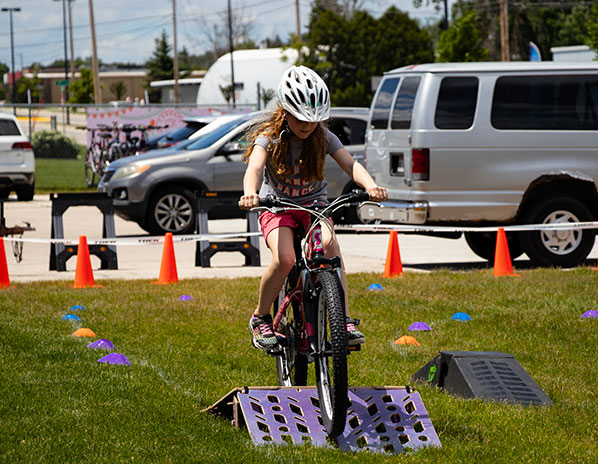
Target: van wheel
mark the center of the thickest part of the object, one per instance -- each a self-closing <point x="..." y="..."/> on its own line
<point x="564" y="248"/>
<point x="483" y="244"/>
<point x="172" y="210"/>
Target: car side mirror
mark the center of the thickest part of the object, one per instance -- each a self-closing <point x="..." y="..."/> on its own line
<point x="230" y="148"/>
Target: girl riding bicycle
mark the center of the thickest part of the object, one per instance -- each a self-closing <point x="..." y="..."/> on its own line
<point x="289" y="151"/>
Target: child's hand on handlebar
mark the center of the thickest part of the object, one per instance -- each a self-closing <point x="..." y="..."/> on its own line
<point x="377" y="194"/>
<point x="249" y="201"/>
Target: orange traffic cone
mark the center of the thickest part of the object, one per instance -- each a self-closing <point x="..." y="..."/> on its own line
<point x="502" y="257"/>
<point x="168" y="273"/>
<point x="4" y="280"/>
<point x="393" y="266"/>
<point x="83" y="273"/>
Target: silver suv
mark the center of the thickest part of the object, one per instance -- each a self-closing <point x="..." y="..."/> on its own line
<point x="17" y="162"/>
<point x="462" y="144"/>
<point x="159" y="189"/>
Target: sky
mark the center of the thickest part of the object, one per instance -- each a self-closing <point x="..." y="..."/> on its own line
<point x="126" y="29"/>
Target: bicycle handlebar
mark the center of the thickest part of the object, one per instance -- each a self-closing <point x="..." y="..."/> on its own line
<point x="356" y="196"/>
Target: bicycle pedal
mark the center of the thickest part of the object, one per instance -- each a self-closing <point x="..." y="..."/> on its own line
<point x="354" y="348"/>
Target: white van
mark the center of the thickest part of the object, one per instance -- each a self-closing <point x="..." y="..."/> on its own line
<point x="465" y="144"/>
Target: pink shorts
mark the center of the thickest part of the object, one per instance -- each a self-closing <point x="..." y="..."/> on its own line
<point x="292" y="219"/>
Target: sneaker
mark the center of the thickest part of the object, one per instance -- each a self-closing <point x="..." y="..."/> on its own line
<point x="354" y="336"/>
<point x="263" y="336"/>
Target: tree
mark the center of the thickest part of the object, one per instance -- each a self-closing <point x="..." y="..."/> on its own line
<point x="592" y="28"/>
<point x="118" y="88"/>
<point x="160" y="65"/>
<point x="347" y="53"/>
<point x="461" y="41"/>
<point x="81" y="90"/>
<point x="217" y="32"/>
<point x="32" y="85"/>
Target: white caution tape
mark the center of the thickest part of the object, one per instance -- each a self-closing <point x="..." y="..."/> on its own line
<point x="519" y="228"/>
<point x="157" y="240"/>
<point x="132" y="241"/>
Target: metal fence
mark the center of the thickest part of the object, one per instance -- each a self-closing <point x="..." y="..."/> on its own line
<point x="60" y="137"/>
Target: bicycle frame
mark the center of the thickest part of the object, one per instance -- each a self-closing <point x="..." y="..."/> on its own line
<point x="307" y="265"/>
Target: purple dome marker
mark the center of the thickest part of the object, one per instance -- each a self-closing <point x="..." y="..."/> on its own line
<point x="590" y="313"/>
<point x="185" y="298"/>
<point x="115" y="358"/>
<point x="419" y="326"/>
<point x="101" y="344"/>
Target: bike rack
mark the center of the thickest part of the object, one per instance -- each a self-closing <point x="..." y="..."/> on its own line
<point x="205" y="249"/>
<point x="386" y="420"/>
<point x="59" y="253"/>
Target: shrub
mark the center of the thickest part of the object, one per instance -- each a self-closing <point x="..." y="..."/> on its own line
<point x="53" y="144"/>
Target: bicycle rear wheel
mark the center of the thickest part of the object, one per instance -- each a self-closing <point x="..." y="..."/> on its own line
<point x="331" y="359"/>
<point x="291" y="365"/>
<point x="90" y="172"/>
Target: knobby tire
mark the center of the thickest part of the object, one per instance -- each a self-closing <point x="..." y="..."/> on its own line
<point x="332" y="347"/>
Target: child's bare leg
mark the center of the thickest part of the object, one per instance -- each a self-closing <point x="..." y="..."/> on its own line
<point x="280" y="242"/>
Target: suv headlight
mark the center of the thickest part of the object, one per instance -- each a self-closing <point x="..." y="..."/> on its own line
<point x="127" y="171"/>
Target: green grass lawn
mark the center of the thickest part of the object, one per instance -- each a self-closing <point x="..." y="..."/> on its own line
<point x="60" y="175"/>
<point x="57" y="404"/>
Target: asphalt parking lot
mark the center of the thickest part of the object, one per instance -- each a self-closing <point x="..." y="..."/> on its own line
<point x="364" y="252"/>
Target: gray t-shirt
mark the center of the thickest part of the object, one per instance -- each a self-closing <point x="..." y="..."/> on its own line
<point x="300" y="190"/>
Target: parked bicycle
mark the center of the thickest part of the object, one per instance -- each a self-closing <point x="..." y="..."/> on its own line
<point x="133" y="145"/>
<point x="99" y="152"/>
<point x="106" y="146"/>
<point x="309" y="313"/>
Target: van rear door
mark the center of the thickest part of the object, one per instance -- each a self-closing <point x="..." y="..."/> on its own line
<point x="404" y="164"/>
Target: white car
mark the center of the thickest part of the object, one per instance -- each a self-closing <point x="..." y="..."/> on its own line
<point x="17" y="162"/>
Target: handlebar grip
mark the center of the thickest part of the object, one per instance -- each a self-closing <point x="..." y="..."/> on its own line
<point x="268" y="201"/>
<point x="361" y="195"/>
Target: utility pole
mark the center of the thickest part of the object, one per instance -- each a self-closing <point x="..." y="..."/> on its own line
<point x="505" y="53"/>
<point x="445" y="21"/>
<point x="12" y="57"/>
<point x="231" y="49"/>
<point x="176" y="55"/>
<point x="297" y="20"/>
<point x="71" y="39"/>
<point x="65" y="91"/>
<point x="97" y="91"/>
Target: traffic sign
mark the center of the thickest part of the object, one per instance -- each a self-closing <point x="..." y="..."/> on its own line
<point x="62" y="82"/>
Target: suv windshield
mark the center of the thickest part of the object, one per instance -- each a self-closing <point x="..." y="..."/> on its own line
<point x="212" y="137"/>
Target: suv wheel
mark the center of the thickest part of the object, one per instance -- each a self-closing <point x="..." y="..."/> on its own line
<point x="26" y="193"/>
<point x="172" y="210"/>
<point x="483" y="244"/>
<point x="565" y="248"/>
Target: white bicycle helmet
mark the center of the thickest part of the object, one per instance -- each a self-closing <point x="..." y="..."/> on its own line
<point x="304" y="94"/>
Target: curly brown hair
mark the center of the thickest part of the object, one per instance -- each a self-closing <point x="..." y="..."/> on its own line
<point x="313" y="152"/>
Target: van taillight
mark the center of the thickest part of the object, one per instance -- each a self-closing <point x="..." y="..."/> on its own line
<point x="22" y="146"/>
<point x="420" y="164"/>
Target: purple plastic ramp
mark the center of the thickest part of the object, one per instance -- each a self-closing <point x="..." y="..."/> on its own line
<point x="380" y="419"/>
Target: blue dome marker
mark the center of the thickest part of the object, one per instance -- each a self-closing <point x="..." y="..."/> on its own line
<point x="376" y="287"/>
<point x="78" y="307"/>
<point x="461" y="317"/>
<point x="71" y="317"/>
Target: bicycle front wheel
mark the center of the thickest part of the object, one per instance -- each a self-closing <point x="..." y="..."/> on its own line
<point x="291" y="365"/>
<point x="331" y="356"/>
